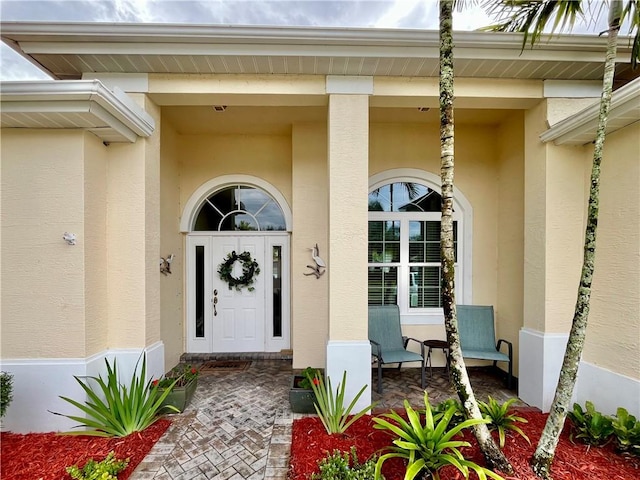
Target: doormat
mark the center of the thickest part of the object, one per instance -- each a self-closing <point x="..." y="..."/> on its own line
<point x="224" y="366"/>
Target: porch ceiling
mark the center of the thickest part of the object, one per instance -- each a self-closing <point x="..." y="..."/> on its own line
<point x="69" y="50"/>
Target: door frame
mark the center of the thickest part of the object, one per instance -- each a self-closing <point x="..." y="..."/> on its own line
<point x="204" y="344"/>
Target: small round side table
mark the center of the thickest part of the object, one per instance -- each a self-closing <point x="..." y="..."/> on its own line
<point x="440" y="344"/>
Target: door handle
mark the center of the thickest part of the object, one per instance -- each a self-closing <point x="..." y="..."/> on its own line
<point x="215" y="301"/>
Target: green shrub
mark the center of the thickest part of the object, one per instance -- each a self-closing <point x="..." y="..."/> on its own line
<point x="308" y="375"/>
<point x="459" y="414"/>
<point x="123" y="410"/>
<point x="330" y="406"/>
<point x="6" y="392"/>
<point x="338" y="466"/>
<point x="626" y="430"/>
<point x="429" y="447"/>
<point x="107" y="469"/>
<point x="589" y="425"/>
<point x="501" y="418"/>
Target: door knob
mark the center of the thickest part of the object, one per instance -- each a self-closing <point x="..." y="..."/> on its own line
<point x="215" y="301"/>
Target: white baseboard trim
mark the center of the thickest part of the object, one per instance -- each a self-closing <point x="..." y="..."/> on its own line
<point x="607" y="390"/>
<point x="541" y="357"/>
<point x="39" y="382"/>
<point x="354" y="357"/>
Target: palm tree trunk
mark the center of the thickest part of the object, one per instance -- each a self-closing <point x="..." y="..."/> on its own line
<point x="493" y="455"/>
<point x="545" y="451"/>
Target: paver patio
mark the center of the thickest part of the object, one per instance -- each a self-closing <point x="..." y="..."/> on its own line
<point x="238" y="425"/>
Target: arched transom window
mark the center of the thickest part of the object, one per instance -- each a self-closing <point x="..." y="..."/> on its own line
<point x="404" y="247"/>
<point x="240" y="208"/>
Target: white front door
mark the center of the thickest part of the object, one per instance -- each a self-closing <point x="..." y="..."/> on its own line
<point x="238" y="316"/>
<point x="220" y="319"/>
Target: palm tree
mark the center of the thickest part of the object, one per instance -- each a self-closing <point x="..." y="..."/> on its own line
<point x="493" y="455"/>
<point x="532" y="17"/>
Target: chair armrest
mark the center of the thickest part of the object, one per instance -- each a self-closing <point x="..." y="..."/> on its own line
<point x="406" y="342"/>
<point x="509" y="344"/>
<point x="377" y="348"/>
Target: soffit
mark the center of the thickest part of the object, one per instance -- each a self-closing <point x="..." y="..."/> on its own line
<point x="67" y="50"/>
<point x="81" y="104"/>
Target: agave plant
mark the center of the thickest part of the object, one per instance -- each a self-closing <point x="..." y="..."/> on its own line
<point x="431" y="446"/>
<point x="330" y="406"/>
<point x="123" y="410"/>
<point x="502" y="418"/>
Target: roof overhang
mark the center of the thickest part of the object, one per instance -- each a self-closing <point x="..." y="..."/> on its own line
<point x="83" y="104"/>
<point x="580" y="129"/>
<point x="69" y="50"/>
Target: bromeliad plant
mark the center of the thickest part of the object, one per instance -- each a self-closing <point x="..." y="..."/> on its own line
<point x="116" y="410"/>
<point x="589" y="425"/>
<point x="626" y="430"/>
<point x="501" y="418"/>
<point x="330" y="405"/>
<point x="428" y="447"/>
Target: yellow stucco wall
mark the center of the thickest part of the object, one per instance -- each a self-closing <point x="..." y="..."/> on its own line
<point x="171" y="242"/>
<point x="95" y="244"/>
<point x="510" y="276"/>
<point x="613" y="334"/>
<point x="309" y="297"/>
<point x="43" y="304"/>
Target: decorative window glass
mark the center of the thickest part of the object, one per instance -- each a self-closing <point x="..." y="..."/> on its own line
<point x="404" y="247"/>
<point x="240" y="208"/>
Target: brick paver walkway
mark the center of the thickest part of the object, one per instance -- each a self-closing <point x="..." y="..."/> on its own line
<point x="238" y="425"/>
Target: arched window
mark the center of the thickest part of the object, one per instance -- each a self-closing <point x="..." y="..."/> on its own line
<point x="240" y="208"/>
<point x="404" y="246"/>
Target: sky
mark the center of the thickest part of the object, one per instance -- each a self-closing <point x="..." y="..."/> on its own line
<point x="414" y="14"/>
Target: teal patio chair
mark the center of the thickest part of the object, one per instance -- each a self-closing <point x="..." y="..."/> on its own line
<point x="478" y="337"/>
<point x="387" y="343"/>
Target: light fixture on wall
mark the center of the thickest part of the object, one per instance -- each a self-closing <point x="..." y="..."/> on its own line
<point x="70" y="238"/>
<point x="165" y="264"/>
<point x="219" y="108"/>
<point x="423" y="109"/>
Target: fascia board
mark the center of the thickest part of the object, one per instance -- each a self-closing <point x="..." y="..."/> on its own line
<point x="239" y="49"/>
<point x="624" y="100"/>
<point x="52" y="96"/>
<point x="77" y="34"/>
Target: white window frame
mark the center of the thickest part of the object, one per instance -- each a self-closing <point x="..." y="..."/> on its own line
<point x="463" y="215"/>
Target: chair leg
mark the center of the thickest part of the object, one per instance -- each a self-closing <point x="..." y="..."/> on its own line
<point x="422" y="374"/>
<point x="379" y="377"/>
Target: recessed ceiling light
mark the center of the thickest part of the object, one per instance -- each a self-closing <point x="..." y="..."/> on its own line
<point x="423" y="109"/>
<point x="219" y="108"/>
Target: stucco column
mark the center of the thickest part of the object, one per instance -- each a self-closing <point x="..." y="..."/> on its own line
<point x="348" y="347"/>
<point x="133" y="243"/>
<point x="555" y="183"/>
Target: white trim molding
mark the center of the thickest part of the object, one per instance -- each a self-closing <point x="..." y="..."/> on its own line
<point x="607" y="390"/>
<point x="580" y="129"/>
<point x="540" y="363"/>
<point x="349" y="85"/>
<point x="111" y="115"/>
<point x="192" y="207"/>
<point x="39" y="382"/>
<point x="354" y="357"/>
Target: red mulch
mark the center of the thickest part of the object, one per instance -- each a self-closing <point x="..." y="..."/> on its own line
<point x="44" y="456"/>
<point x="310" y="443"/>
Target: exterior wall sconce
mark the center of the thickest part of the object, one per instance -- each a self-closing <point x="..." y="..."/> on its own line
<point x="320" y="266"/>
<point x="70" y="238"/>
<point x="165" y="264"/>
